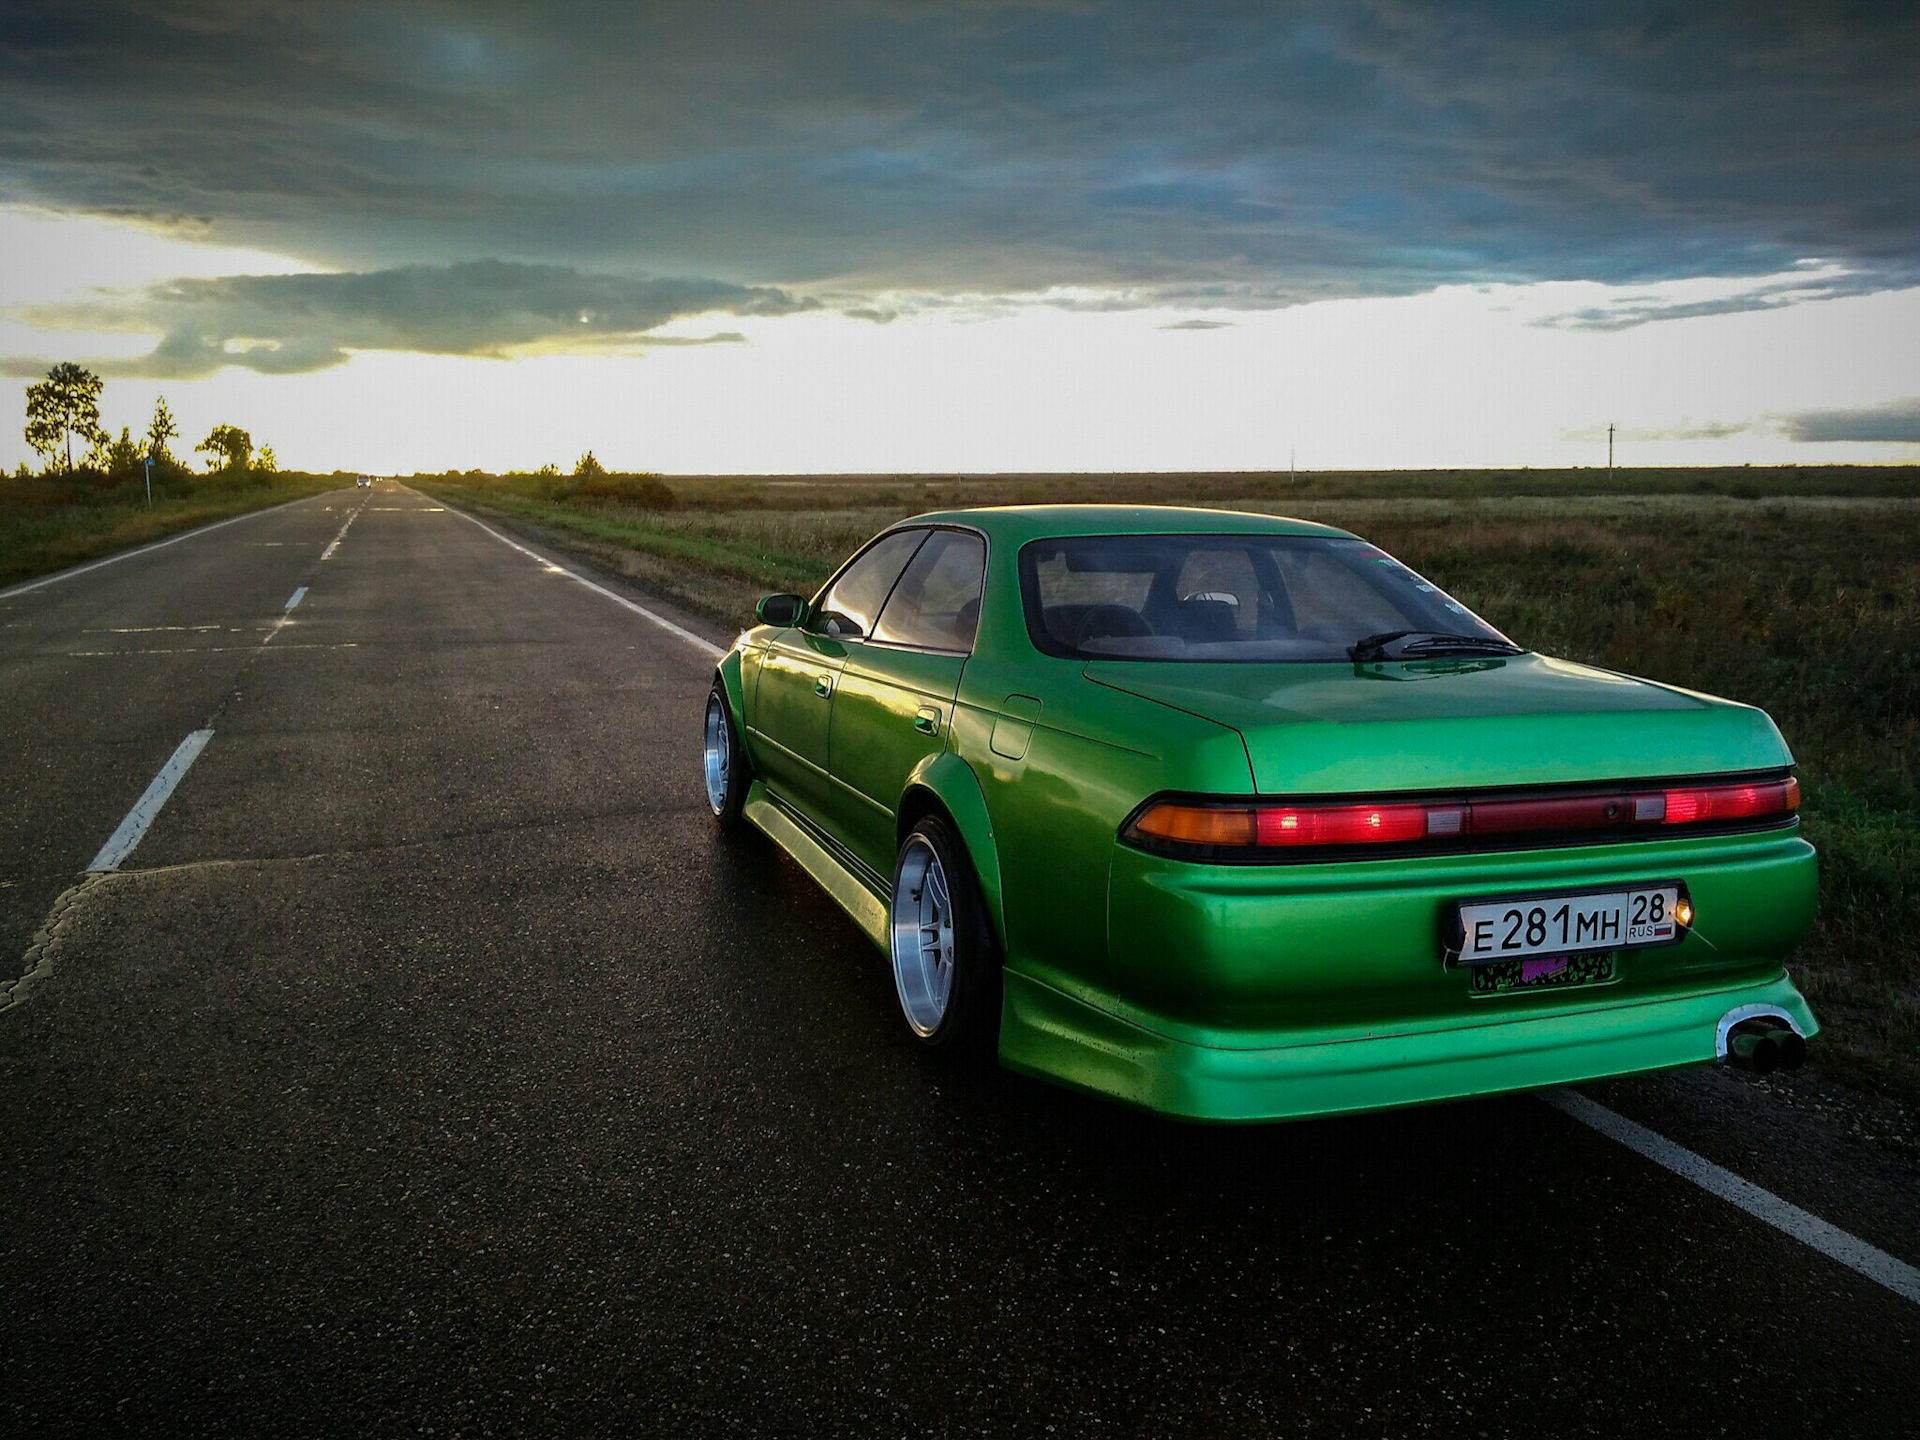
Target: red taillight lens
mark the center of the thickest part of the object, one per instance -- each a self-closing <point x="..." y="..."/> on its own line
<point x="1282" y="826"/>
<point x="1341" y="824"/>
<point x="1705" y="803"/>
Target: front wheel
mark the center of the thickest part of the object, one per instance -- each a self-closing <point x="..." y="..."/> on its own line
<point x="723" y="762"/>
<point x="946" y="967"/>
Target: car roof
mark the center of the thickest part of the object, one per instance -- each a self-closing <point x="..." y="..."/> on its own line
<point x="1017" y="524"/>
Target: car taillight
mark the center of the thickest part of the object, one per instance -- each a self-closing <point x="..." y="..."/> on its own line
<point x="1201" y="826"/>
<point x="1340" y="824"/>
<point x="1755" y="801"/>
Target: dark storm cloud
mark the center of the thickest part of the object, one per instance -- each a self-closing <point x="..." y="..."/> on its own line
<point x="1894" y="424"/>
<point x="1229" y="153"/>
<point x="291" y="324"/>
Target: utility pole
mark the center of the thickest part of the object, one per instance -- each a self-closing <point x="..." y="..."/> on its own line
<point x="1293" y="473"/>
<point x="1609" y="450"/>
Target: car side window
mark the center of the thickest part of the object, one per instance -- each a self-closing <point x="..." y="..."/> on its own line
<point x="848" y="609"/>
<point x="936" y="605"/>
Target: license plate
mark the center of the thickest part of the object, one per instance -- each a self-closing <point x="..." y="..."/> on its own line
<point x="1549" y="972"/>
<point x="1487" y="932"/>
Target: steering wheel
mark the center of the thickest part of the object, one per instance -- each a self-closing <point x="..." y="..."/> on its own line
<point x="1124" y="623"/>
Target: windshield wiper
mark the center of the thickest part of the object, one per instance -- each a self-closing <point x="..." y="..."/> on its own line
<point x="1374" y="647"/>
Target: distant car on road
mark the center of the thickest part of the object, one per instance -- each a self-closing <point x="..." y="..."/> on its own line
<point x="1238" y="818"/>
<point x="365" y="481"/>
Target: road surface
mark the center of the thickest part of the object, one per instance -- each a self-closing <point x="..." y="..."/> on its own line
<point x="431" y="1065"/>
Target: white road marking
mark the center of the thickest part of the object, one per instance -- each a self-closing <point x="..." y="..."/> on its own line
<point x="327" y="554"/>
<point x="120" y="844"/>
<point x="1831" y="1241"/>
<point x="213" y="649"/>
<point x="700" y="643"/>
<point x="298" y="596"/>
<point x="56" y="578"/>
<point x="144" y="629"/>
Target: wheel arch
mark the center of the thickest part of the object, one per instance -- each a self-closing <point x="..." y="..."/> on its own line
<point x="945" y="785"/>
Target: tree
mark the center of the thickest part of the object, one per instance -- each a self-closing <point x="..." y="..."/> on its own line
<point x="232" y="446"/>
<point x="61" y="407"/>
<point x="587" y="468"/>
<point x="123" y="457"/>
<point x="266" y="462"/>
<point x="160" y="430"/>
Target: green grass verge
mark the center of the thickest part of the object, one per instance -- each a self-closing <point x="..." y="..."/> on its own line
<point x="47" y="526"/>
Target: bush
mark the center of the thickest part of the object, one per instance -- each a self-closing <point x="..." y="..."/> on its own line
<point x="642" y="492"/>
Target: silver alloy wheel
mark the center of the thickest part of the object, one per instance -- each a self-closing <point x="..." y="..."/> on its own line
<point x="719" y="755"/>
<point x="922" y="937"/>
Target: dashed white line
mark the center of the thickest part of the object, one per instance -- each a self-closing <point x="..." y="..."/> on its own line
<point x="1830" y="1240"/>
<point x="327" y="554"/>
<point x="56" y="578"/>
<point x="120" y="844"/>
<point x="700" y="643"/>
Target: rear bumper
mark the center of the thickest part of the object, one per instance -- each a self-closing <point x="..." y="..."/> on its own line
<point x="1049" y="1034"/>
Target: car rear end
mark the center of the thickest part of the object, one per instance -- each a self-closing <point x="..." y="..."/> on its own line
<point x="1440" y="873"/>
<point x="1311" y="978"/>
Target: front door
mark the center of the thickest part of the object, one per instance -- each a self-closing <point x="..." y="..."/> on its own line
<point x="896" y="692"/>
<point x="793" y="702"/>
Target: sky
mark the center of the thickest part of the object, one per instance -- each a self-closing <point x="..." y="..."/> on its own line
<point x="959" y="235"/>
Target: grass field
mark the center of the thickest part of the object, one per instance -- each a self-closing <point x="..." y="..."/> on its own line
<point x="48" y="523"/>
<point x="1794" y="589"/>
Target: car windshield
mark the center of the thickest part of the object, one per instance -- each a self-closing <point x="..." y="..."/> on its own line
<point x="1239" y="597"/>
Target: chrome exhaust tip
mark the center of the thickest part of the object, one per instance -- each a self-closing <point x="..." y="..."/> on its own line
<point x="1760" y="1038"/>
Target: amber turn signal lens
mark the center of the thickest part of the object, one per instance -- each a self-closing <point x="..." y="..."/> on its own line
<point x="1197" y="824"/>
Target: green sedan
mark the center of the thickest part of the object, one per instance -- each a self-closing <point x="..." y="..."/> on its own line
<point x="1238" y="818"/>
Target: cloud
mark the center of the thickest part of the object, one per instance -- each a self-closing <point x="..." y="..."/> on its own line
<point x="1197" y="325"/>
<point x="1627" y="311"/>
<point x="1270" y="153"/>
<point x="1685" y="430"/>
<point x="1896" y="423"/>
<point x="293" y="324"/>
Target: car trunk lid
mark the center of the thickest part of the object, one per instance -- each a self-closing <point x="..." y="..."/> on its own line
<point x="1339" y="728"/>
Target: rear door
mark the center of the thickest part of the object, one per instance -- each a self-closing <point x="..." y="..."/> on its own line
<point x="793" y="702"/>
<point x="897" y="689"/>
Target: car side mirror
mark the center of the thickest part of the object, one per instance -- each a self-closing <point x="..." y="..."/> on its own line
<point x="779" y="609"/>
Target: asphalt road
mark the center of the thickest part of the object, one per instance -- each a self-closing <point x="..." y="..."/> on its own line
<point x="434" y="1067"/>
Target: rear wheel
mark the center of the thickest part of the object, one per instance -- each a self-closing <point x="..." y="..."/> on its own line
<point x="946" y="967"/>
<point x="724" y="764"/>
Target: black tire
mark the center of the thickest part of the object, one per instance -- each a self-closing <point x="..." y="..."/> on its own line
<point x="969" y="1021"/>
<point x="729" y="797"/>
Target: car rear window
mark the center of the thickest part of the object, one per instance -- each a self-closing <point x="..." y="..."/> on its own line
<point x="1235" y="597"/>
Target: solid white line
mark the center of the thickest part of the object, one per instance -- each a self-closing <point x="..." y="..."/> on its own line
<point x="53" y="579"/>
<point x="120" y="844"/>
<point x="1831" y="1241"/>
<point x="298" y="596"/>
<point x="700" y="643"/>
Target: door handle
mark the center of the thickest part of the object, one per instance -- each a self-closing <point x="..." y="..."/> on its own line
<point x="927" y="722"/>
<point x="823" y="685"/>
